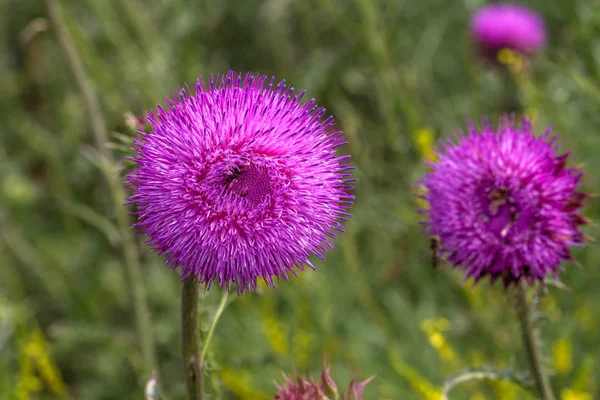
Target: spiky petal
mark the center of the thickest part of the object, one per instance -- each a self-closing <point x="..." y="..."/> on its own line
<point x="240" y="181"/>
<point x="355" y="389"/>
<point x="504" y="204"/>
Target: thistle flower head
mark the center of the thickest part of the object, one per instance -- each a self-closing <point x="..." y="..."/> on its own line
<point x="239" y="181"/>
<point x="302" y="389"/>
<point x="504" y="204"/>
<point x="508" y="26"/>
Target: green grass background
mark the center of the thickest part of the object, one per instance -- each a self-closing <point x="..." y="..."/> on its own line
<point x="386" y="70"/>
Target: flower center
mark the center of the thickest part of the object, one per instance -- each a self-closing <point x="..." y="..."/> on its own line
<point x="503" y="215"/>
<point x="251" y="182"/>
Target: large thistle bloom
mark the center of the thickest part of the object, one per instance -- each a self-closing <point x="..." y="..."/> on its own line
<point x="508" y="26"/>
<point x="240" y="180"/>
<point x="504" y="204"/>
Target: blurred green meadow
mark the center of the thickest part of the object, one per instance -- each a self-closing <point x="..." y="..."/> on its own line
<point x="397" y="75"/>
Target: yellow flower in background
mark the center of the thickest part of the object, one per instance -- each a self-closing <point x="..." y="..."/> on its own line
<point x="35" y="350"/>
<point x="562" y="351"/>
<point x="27" y="382"/>
<point x="570" y="394"/>
<point x="38" y="349"/>
<point x="424" y="140"/>
<point x="434" y="328"/>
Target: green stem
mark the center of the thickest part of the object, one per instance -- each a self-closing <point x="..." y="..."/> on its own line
<point x="190" y="340"/>
<point x="213" y="325"/>
<point x="531" y="342"/>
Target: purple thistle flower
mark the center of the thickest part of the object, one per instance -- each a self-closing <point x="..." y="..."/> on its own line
<point x="239" y="181"/>
<point x="511" y="26"/>
<point x="503" y="204"/>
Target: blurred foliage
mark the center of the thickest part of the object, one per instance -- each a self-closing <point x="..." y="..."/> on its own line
<point x="397" y="75"/>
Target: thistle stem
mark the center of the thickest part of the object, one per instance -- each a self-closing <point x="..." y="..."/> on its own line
<point x="531" y="342"/>
<point x="190" y="340"/>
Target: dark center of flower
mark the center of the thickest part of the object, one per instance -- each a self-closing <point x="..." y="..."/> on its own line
<point x="502" y="214"/>
<point x="251" y="182"/>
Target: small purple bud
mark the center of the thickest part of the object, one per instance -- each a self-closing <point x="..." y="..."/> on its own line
<point x="507" y="26"/>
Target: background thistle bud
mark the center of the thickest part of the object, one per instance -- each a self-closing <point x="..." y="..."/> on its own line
<point x="303" y="389"/>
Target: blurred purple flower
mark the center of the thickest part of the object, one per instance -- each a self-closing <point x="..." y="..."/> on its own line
<point x="239" y="181"/>
<point x="302" y="389"/>
<point x="503" y="204"/>
<point x="504" y="25"/>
